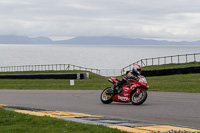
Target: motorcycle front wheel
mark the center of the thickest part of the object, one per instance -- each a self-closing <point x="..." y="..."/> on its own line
<point x="140" y="98"/>
<point x="107" y="95"/>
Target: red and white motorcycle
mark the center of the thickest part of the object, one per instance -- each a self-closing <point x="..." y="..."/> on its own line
<point x="133" y="91"/>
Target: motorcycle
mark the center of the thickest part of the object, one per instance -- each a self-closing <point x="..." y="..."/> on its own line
<point x="132" y="91"/>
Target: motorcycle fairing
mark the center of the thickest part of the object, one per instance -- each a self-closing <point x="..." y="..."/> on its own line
<point x="125" y="96"/>
<point x="128" y="88"/>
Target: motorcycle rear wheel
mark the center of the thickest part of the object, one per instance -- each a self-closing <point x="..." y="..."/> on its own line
<point x="106" y="98"/>
<point x="138" y="99"/>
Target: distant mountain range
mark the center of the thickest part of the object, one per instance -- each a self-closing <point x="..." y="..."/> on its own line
<point x="108" y="40"/>
<point x="24" y="40"/>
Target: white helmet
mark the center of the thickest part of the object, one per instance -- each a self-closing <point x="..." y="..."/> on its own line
<point x="136" y="69"/>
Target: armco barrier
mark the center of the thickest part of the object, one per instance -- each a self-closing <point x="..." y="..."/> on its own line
<point x="164" y="72"/>
<point x="46" y="76"/>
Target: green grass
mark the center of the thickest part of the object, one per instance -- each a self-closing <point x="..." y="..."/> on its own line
<point x="53" y="84"/>
<point x="12" y="122"/>
<point x="95" y="82"/>
<point x="172" y="83"/>
<point x="58" y="84"/>
<point x="171" y="66"/>
<point x="175" y="83"/>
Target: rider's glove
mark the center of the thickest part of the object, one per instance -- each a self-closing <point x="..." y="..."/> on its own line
<point x="136" y="78"/>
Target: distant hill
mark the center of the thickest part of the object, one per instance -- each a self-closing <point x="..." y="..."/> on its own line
<point x="111" y="40"/>
<point x="11" y="39"/>
<point x="104" y="40"/>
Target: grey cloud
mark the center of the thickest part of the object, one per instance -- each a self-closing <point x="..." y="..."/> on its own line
<point x="170" y="20"/>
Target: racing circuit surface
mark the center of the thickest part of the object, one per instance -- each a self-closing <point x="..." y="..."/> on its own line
<point x="164" y="108"/>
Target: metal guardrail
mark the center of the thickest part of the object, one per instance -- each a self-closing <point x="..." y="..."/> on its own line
<point x="185" y="58"/>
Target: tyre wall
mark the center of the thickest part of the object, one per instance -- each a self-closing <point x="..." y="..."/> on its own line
<point x="46" y="76"/>
<point x="164" y="72"/>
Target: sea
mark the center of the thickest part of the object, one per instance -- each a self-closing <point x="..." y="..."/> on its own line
<point x="91" y="56"/>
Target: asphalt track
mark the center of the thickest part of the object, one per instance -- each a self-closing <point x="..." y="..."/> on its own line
<point x="164" y="108"/>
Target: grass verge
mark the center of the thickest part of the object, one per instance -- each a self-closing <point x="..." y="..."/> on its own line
<point x="175" y="83"/>
<point x="95" y="82"/>
<point x="172" y="83"/>
<point x="12" y="122"/>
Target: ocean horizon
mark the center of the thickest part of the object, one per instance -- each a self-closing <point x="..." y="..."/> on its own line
<point x="92" y="56"/>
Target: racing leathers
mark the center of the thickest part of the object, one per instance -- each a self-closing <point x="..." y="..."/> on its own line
<point x="129" y="75"/>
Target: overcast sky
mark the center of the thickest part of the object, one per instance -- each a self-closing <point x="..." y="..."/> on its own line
<point x="177" y="20"/>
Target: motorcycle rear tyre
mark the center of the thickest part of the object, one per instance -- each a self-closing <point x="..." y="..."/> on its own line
<point x="142" y="100"/>
<point x="106" y="99"/>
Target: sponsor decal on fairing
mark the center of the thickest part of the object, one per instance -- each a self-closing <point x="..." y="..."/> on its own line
<point x="123" y="98"/>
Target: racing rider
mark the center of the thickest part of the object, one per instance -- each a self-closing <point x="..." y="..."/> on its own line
<point x="136" y="71"/>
